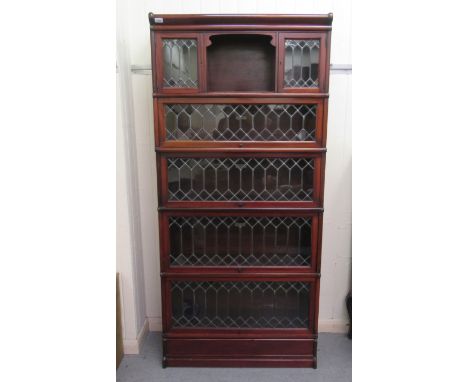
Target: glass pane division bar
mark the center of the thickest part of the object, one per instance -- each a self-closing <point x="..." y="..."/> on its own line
<point x="240" y="304"/>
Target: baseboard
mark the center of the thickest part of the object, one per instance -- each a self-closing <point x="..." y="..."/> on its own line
<point x="333" y="326"/>
<point x="134" y="346"/>
<point x="155" y="324"/>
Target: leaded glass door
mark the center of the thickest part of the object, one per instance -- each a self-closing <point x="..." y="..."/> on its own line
<point x="229" y="240"/>
<point x="241" y="180"/>
<point x="302" y="63"/>
<point x="232" y="122"/>
<point x="226" y="304"/>
<point x="179" y="69"/>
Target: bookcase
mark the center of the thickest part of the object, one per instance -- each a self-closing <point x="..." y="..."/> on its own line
<point x="240" y="119"/>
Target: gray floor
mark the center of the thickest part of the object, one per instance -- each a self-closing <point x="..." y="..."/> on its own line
<point x="334" y="365"/>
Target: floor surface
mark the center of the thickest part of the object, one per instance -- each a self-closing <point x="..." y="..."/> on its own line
<point x="334" y="365"/>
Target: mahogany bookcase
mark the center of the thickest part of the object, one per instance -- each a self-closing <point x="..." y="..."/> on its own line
<point x="240" y="121"/>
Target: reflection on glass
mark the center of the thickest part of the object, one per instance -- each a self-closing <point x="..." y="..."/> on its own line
<point x="180" y="63"/>
<point x="215" y="122"/>
<point x="301" y="62"/>
<point x="239" y="241"/>
<point x="240" y="304"/>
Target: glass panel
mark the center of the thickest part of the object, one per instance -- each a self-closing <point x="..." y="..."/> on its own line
<point x="180" y="63"/>
<point x="239" y="241"/>
<point x="301" y="62"/>
<point x="233" y="179"/>
<point x="240" y="122"/>
<point x="240" y="304"/>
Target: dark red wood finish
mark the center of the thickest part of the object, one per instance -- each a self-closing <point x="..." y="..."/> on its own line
<point x="166" y="267"/>
<point x="246" y="361"/>
<point x="323" y="59"/>
<point x="241" y="62"/>
<point x="241" y="352"/>
<point x="231" y="347"/>
<point x="278" y="22"/>
<point x="316" y="200"/>
<point x="160" y="66"/>
<point x="160" y="124"/>
<point x="310" y="332"/>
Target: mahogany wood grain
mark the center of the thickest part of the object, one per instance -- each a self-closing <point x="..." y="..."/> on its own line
<point x="241" y="362"/>
<point x="312" y="279"/>
<point x="240" y="62"/>
<point x="317" y="197"/>
<point x="252" y="347"/>
<point x="322" y="67"/>
<point x="276" y="20"/>
<point x="239" y="27"/>
<point x="244" y="333"/>
<point x="252" y="95"/>
<point x="160" y="122"/>
<point x="244" y="149"/>
<point x="223" y="35"/>
<point x="265" y="275"/>
<point x="165" y="250"/>
<point x="258" y="211"/>
<point x="159" y="72"/>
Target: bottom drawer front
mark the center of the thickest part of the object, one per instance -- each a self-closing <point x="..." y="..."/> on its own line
<point x="242" y="362"/>
<point x="240" y="304"/>
<point x="240" y="347"/>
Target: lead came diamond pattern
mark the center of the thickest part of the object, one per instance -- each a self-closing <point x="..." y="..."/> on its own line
<point x="221" y="122"/>
<point x="240" y="304"/>
<point x="301" y="58"/>
<point x="239" y="241"/>
<point x="235" y="179"/>
<point x="180" y="63"/>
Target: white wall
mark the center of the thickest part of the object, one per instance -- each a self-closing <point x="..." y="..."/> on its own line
<point x="130" y="263"/>
<point x="130" y="269"/>
<point x="336" y="254"/>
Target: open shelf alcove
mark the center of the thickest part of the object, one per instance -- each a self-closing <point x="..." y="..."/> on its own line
<point x="241" y="62"/>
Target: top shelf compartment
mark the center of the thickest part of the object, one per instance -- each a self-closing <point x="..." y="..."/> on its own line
<point x="240" y="62"/>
